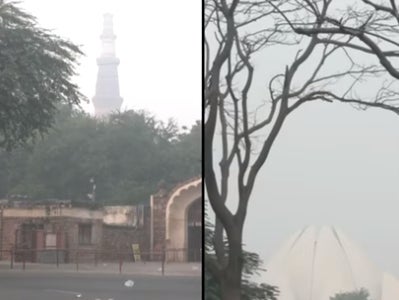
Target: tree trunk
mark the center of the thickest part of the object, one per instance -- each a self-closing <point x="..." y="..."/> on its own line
<point x="231" y="279"/>
<point x="230" y="291"/>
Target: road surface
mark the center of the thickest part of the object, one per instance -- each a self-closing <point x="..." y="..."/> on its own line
<point x="18" y="285"/>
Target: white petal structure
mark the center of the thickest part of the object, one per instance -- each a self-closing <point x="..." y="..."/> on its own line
<point x="315" y="264"/>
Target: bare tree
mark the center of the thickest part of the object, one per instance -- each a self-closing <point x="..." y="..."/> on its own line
<point x="372" y="31"/>
<point x="236" y="31"/>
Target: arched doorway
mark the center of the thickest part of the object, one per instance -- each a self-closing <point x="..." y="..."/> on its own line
<point x="194" y="231"/>
<point x="177" y="224"/>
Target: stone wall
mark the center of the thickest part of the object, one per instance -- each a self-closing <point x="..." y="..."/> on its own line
<point x="125" y="227"/>
<point x="9" y="228"/>
<point x="66" y="228"/>
<point x="127" y="215"/>
<point x="160" y="201"/>
<point x="118" y="240"/>
<point x="85" y="253"/>
<point x="159" y="207"/>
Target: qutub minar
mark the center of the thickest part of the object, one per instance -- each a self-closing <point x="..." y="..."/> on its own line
<point x="107" y="98"/>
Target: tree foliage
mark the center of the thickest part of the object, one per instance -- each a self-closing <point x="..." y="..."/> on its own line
<point x="127" y="156"/>
<point x="36" y="68"/>
<point x="361" y="294"/>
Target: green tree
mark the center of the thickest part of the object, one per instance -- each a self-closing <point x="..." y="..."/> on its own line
<point x="36" y="69"/>
<point x="187" y="152"/>
<point x="361" y="294"/>
<point x="127" y="156"/>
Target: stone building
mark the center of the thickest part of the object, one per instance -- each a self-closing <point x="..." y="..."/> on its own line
<point x="176" y="221"/>
<point x="44" y="227"/>
<point x="43" y="230"/>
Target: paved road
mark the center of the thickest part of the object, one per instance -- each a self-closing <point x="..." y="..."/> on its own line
<point x="19" y="285"/>
<point x="149" y="268"/>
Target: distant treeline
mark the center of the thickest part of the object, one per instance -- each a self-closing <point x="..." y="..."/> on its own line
<point x="128" y="156"/>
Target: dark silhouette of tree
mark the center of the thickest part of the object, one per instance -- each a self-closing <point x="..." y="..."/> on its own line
<point x="252" y="265"/>
<point x="244" y="129"/>
<point x="361" y="294"/>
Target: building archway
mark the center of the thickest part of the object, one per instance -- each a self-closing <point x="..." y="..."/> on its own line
<point x="194" y="231"/>
<point x="177" y="223"/>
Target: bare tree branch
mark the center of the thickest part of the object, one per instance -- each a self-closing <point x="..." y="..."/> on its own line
<point x="239" y="30"/>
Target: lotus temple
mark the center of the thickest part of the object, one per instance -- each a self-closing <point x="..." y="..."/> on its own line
<point x="317" y="263"/>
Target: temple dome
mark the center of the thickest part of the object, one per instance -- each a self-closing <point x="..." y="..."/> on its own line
<point x="315" y="264"/>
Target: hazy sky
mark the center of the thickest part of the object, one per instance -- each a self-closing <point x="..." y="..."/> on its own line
<point x="330" y="165"/>
<point x="158" y="43"/>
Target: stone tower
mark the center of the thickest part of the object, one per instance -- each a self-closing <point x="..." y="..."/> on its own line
<point x="107" y="98"/>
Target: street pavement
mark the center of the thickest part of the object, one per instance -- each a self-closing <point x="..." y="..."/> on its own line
<point x="50" y="285"/>
<point x="140" y="268"/>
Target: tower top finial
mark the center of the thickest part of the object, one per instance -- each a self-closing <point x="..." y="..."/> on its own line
<point x="108" y="28"/>
<point x="108" y="37"/>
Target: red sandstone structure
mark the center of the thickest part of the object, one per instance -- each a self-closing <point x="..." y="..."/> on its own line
<point x="170" y="224"/>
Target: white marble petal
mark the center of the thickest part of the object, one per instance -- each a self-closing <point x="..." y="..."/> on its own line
<point x="390" y="287"/>
<point x="315" y="264"/>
